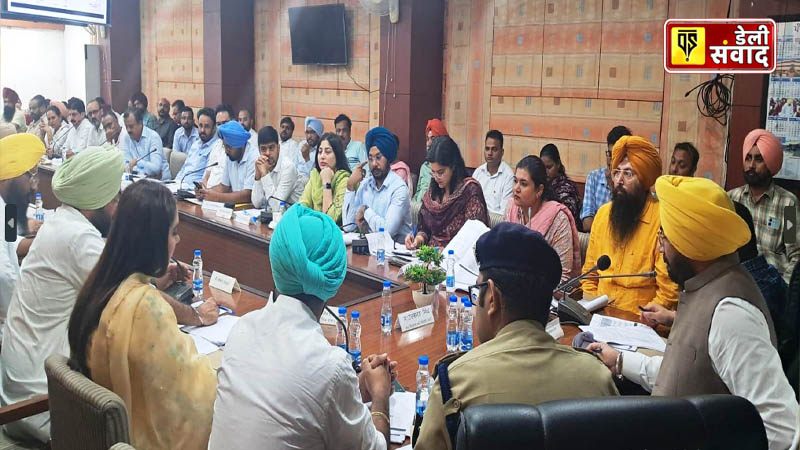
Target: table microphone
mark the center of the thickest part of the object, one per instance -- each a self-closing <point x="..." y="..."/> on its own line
<point x="568" y="309"/>
<point x="356" y="367"/>
<point x="183" y="194"/>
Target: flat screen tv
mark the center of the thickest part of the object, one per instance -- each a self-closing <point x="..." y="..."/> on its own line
<point x="75" y="12"/>
<point x="318" y="35"/>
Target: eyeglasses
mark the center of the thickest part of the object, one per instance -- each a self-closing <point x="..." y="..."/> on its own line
<point x="475" y="292"/>
<point x="626" y="174"/>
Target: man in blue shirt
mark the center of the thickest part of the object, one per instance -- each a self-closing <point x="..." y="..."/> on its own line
<point x="197" y="158"/>
<point x="597" y="191"/>
<point x="382" y="200"/>
<point x="355" y="151"/>
<point x="143" y="148"/>
<point x="239" y="174"/>
<point x="187" y="133"/>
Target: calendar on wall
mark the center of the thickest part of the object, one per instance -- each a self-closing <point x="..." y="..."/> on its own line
<point x="783" y="96"/>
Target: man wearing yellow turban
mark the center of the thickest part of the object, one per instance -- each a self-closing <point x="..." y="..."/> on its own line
<point x="626" y="228"/>
<point x="762" y="158"/>
<point x="722" y="340"/>
<point x="19" y="154"/>
<point x="65" y="250"/>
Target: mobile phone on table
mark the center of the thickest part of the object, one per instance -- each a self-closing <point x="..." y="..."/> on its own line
<point x="198" y="185"/>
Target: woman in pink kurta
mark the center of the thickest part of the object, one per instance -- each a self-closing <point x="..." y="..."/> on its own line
<point x="530" y="206"/>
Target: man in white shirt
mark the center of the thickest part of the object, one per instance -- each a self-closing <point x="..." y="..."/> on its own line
<point x="81" y="133"/>
<point x="286" y="132"/>
<point x="213" y="175"/>
<point x="94" y="114"/>
<point x="19" y="155"/>
<point x="281" y="383"/>
<point x="354" y="150"/>
<point x="722" y="340"/>
<point x="114" y="133"/>
<point x="239" y="175"/>
<point x="276" y="176"/>
<point x="247" y="122"/>
<point x="143" y="148"/>
<point x="495" y="176"/>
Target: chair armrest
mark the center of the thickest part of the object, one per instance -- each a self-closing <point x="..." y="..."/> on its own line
<point x="26" y="408"/>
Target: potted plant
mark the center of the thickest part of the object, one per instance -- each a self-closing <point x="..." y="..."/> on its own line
<point x="428" y="274"/>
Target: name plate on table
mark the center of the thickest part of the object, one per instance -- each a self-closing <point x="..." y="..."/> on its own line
<point x="225" y="213"/>
<point x="212" y="206"/>
<point x="327" y="318"/>
<point x="224" y="282"/>
<point x="415" y="318"/>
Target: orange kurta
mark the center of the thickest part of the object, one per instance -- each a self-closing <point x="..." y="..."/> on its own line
<point x="639" y="254"/>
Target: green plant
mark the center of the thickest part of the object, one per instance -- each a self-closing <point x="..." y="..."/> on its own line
<point x="429" y="273"/>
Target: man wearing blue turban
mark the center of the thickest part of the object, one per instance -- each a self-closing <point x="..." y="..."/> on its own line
<point x="308" y="149"/>
<point x="239" y="173"/>
<point x="281" y="373"/>
<point x="382" y="199"/>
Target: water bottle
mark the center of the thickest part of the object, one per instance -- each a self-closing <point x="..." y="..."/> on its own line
<point x="197" y="276"/>
<point x="355" y="337"/>
<point x="381" y="252"/>
<point x="277" y="215"/>
<point x="39" y="215"/>
<point x="466" y="327"/>
<point x="452" y="325"/>
<point x="386" y="308"/>
<point x="127" y="167"/>
<point x="423" y="385"/>
<point x="450" y="264"/>
<point x="341" y="337"/>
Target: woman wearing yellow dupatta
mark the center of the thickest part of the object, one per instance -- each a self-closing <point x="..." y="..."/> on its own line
<point x="124" y="335"/>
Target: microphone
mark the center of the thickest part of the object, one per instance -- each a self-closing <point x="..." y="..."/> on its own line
<point x="346" y="337"/>
<point x="279" y="200"/>
<point x="186" y="193"/>
<point x="568" y="309"/>
<point x="651" y="274"/>
<point x="603" y="263"/>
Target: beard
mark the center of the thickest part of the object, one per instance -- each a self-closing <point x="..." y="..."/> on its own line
<point x="626" y="209"/>
<point x="102" y="221"/>
<point x="679" y="269"/>
<point x="35" y="116"/>
<point x="8" y="113"/>
<point x="284" y="136"/>
<point x="752" y="178"/>
<point x="380" y="175"/>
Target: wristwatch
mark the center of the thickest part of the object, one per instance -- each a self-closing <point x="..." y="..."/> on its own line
<point x="328" y="186"/>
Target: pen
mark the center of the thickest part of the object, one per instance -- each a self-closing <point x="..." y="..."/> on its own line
<point x="225" y="309"/>
<point x="641" y="308"/>
<point x="414" y="232"/>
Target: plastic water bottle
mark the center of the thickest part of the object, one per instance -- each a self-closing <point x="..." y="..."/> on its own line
<point x="466" y="327"/>
<point x="386" y="308"/>
<point x="39" y="215"/>
<point x="452" y="325"/>
<point x="197" y="275"/>
<point x="355" y="337"/>
<point x="341" y="338"/>
<point x="423" y="385"/>
<point x="381" y="252"/>
<point x="450" y="264"/>
<point x="277" y="215"/>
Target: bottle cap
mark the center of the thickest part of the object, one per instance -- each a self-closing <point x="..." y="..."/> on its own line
<point x="380" y="230"/>
<point x="453" y="299"/>
<point x="450" y="252"/>
<point x="355" y="314"/>
<point x="464" y="300"/>
<point x="38" y="195"/>
<point x="423" y="360"/>
<point x="467" y="304"/>
<point x="283" y="203"/>
<point x="197" y="253"/>
<point x="386" y="284"/>
<point x="342" y="310"/>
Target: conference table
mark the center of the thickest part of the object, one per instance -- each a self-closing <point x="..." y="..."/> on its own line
<point x="241" y="251"/>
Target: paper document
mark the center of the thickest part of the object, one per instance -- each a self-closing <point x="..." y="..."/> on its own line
<point x="608" y="321"/>
<point x="349" y="238"/>
<point x="203" y="346"/>
<point x="592" y="305"/>
<point x="216" y="334"/>
<point x="389" y="245"/>
<point x="402" y="408"/>
<point x="643" y="337"/>
<point x="212" y="206"/>
<point x="463" y="246"/>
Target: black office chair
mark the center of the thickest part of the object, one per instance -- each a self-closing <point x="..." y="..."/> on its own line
<point x="707" y="422"/>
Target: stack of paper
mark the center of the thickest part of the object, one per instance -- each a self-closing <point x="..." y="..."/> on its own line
<point x="216" y="334"/>
<point x="402" y="408"/>
<point x="624" y="333"/>
<point x="463" y="246"/>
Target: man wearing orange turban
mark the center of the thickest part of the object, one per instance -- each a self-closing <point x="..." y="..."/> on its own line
<point x="10" y="112"/>
<point x="625" y="229"/>
<point x="762" y="155"/>
<point x="434" y="128"/>
<point x="722" y="339"/>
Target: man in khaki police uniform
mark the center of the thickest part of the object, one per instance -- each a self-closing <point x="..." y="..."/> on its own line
<point x="517" y="361"/>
